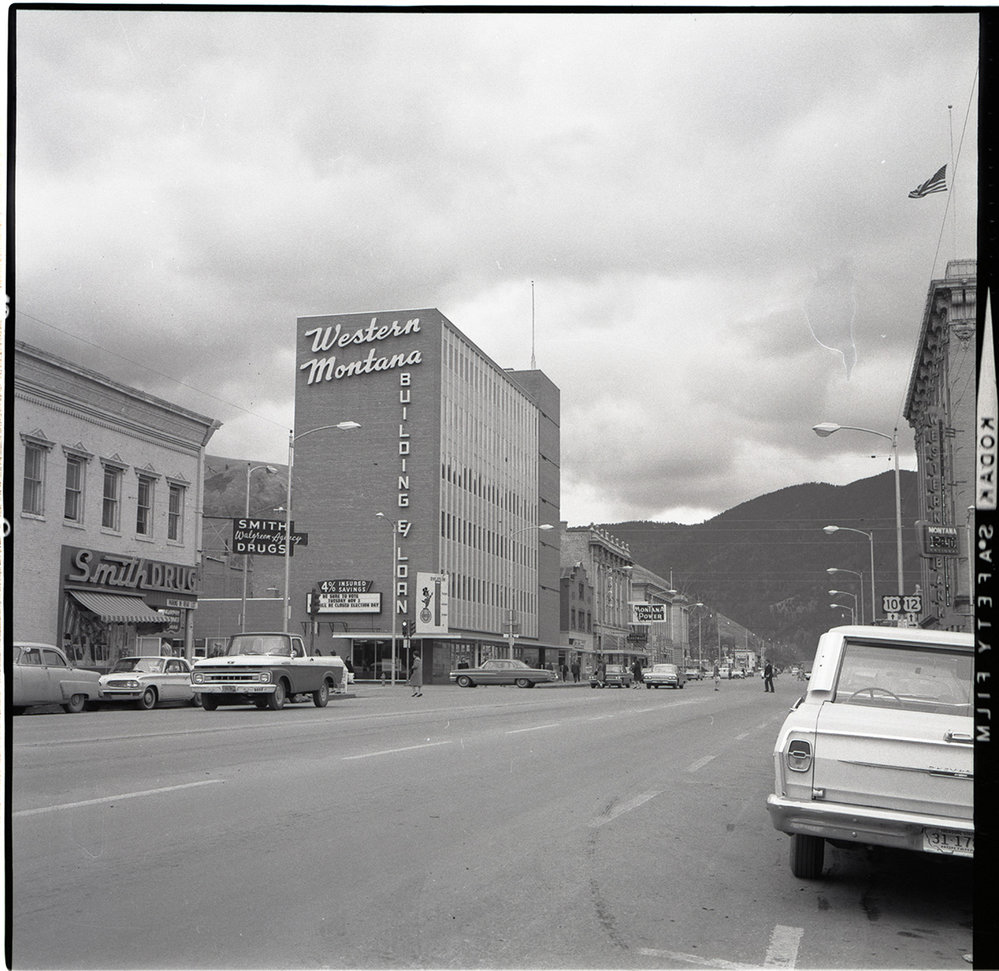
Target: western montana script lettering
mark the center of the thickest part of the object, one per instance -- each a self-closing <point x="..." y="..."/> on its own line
<point x="326" y="338"/>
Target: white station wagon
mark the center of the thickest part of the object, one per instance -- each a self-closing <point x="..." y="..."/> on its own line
<point x="879" y="751"/>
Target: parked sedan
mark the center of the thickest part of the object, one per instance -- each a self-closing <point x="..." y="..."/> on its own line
<point x="664" y="675"/>
<point x="44" y="676"/>
<point x="149" y="680"/>
<point x="879" y="752"/>
<point x="501" y="671"/>
<point x="612" y="676"/>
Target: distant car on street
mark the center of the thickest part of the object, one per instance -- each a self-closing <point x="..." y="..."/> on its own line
<point x="500" y="670"/>
<point x="614" y="676"/>
<point x="694" y="674"/>
<point x="149" y="681"/>
<point x="664" y="676"/>
<point x="44" y="676"/>
<point x="879" y="751"/>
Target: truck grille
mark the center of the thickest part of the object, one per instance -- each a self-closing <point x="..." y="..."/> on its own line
<point x="230" y="676"/>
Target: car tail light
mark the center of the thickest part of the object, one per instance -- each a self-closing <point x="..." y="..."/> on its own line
<point x="799" y="755"/>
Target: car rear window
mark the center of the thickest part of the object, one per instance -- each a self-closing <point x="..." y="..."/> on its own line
<point x="906" y="677"/>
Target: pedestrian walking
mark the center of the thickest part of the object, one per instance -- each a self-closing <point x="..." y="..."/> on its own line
<point x="575" y="670"/>
<point x="636" y="670"/>
<point x="565" y="671"/>
<point x="717" y="677"/>
<point x="416" y="678"/>
<point x="768" y="677"/>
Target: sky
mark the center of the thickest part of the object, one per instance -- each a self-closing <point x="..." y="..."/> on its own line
<point x="698" y="224"/>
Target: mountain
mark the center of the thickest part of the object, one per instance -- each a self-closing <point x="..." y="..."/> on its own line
<point x="763" y="563"/>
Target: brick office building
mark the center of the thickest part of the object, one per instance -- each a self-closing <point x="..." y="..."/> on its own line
<point x="107" y="498"/>
<point x="940" y="407"/>
<point x="461" y="458"/>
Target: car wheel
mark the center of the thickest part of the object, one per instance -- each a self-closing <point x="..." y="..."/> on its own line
<point x="76" y="704"/>
<point x="464" y="681"/>
<point x="806" y="855"/>
<point x="196" y="701"/>
<point x="681" y="685"/>
<point x="522" y="683"/>
<point x="209" y="702"/>
<point x="148" y="699"/>
<point x="277" y="698"/>
<point x="321" y="696"/>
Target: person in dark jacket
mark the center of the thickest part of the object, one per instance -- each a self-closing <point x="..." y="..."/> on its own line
<point x="768" y="677"/>
<point x="636" y="670"/>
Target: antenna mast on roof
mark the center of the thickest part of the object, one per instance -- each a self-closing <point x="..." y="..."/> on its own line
<point x="534" y="363"/>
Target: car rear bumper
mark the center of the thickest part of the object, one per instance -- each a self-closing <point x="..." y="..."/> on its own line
<point x="862" y="824"/>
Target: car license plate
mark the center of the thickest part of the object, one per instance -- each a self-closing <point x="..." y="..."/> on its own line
<point x="947" y="841"/>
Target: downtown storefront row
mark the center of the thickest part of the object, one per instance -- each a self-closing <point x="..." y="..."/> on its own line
<point x="105" y="514"/>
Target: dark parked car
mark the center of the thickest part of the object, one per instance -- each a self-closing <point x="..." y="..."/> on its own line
<point x="612" y="676"/>
<point x="43" y="676"/>
<point x="501" y="671"/>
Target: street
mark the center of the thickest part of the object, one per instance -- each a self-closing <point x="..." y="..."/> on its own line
<point x="495" y="827"/>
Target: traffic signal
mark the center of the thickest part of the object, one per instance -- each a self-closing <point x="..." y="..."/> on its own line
<point x="405" y="628"/>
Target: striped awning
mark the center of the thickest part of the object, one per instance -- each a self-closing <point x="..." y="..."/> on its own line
<point x="113" y="608"/>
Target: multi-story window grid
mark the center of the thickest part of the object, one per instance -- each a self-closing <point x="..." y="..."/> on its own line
<point x="111" y="506"/>
<point x="144" y="506"/>
<point x="489" y="456"/>
<point x="175" y="513"/>
<point x="34" y="479"/>
<point x="75" y="477"/>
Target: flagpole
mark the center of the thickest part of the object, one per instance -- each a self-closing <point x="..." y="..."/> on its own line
<point x="953" y="187"/>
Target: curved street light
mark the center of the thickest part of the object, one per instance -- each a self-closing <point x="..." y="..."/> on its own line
<point x="829" y="530"/>
<point x="853" y="615"/>
<point x="860" y="586"/>
<point x="246" y="556"/>
<point x="827" y="428"/>
<point x="292" y="438"/>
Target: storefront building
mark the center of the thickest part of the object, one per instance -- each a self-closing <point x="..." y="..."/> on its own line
<point x="106" y="517"/>
<point x="607" y="562"/>
<point x="660" y="621"/>
<point x="428" y="513"/>
<point x="940" y="407"/>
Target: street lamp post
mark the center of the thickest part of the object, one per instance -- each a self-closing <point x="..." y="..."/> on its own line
<point x="827" y="428"/>
<point x="846" y="593"/>
<point x="292" y="438"/>
<point x="509" y="588"/>
<point x="853" y="613"/>
<point x="829" y="530"/>
<point x="860" y="586"/>
<point x="395" y="556"/>
<point x="246" y="556"/>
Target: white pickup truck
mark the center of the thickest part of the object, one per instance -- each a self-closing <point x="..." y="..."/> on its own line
<point x="266" y="669"/>
<point x="879" y="751"/>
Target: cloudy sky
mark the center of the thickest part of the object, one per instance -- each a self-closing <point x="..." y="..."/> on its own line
<point x="713" y="209"/>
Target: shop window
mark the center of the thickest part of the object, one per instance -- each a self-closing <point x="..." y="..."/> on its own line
<point x="76" y="467"/>
<point x="111" y="508"/>
<point x="144" y="506"/>
<point x="33" y="502"/>
<point x="175" y="513"/>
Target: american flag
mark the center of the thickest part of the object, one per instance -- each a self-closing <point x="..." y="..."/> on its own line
<point x="936" y="184"/>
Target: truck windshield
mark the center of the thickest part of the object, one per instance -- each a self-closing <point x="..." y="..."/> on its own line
<point x="271" y="644"/>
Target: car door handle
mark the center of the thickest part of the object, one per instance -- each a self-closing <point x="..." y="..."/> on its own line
<point x="957" y="736"/>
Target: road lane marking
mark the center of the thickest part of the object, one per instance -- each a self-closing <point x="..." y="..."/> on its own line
<point x="700" y="763"/>
<point x="624" y="807"/>
<point x="783" y="949"/>
<point x="392" y="751"/>
<point x="535" y="728"/>
<point x="123" y="795"/>
<point x="677" y="956"/>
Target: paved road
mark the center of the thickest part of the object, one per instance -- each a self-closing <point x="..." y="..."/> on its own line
<point x="493" y="827"/>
